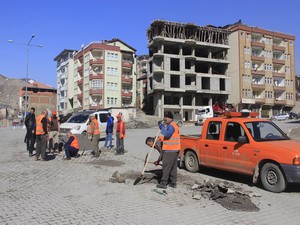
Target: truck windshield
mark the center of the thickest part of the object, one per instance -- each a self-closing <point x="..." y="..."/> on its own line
<point x="79" y="118"/>
<point x="265" y="131"/>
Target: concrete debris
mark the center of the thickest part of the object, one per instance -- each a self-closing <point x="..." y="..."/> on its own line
<point x="197" y="197"/>
<point x="251" y="195"/>
<point x="195" y="186"/>
<point x="226" y="194"/>
<point x="142" y="121"/>
<point x="117" y="178"/>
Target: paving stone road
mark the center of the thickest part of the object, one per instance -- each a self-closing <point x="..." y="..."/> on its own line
<point x="79" y="192"/>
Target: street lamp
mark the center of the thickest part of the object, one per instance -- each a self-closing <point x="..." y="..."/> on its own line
<point x="27" y="62"/>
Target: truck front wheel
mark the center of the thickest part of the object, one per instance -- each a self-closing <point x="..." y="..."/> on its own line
<point x="272" y="178"/>
<point x="191" y="162"/>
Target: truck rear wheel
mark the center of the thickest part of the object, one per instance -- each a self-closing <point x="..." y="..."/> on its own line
<point x="191" y="162"/>
<point x="272" y="178"/>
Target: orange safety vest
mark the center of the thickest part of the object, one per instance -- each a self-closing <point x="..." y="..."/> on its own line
<point x="96" y="127"/>
<point x="122" y="129"/>
<point x="75" y="142"/>
<point x="39" y="125"/>
<point x="174" y="142"/>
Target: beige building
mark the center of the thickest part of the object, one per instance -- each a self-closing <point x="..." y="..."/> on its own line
<point x="105" y="76"/>
<point x="141" y="85"/>
<point x="187" y="67"/>
<point x="262" y="69"/>
<point x="65" y="82"/>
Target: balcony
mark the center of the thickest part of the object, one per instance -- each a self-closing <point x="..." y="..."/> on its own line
<point x="258" y="86"/>
<point x="96" y="91"/>
<point x="258" y="44"/>
<point x="257" y="58"/>
<point x="79" y="96"/>
<point x="126" y="93"/>
<point x="279" y="101"/>
<point x="278" y="48"/>
<point x="278" y="61"/>
<point x="80" y="82"/>
<point x="258" y="72"/>
<point x="279" y="88"/>
<point x="126" y="79"/>
<point x="158" y="54"/>
<point x="96" y="107"/>
<point x="79" y="68"/>
<point x="259" y="100"/>
<point x="127" y="64"/>
<point x="96" y="76"/>
<point x="158" y="86"/>
<point x="277" y="74"/>
<point x="96" y="61"/>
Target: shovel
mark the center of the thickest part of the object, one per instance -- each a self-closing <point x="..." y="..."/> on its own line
<point x="137" y="180"/>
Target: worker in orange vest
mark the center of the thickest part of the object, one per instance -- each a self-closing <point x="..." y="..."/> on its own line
<point x="53" y="131"/>
<point x="41" y="136"/>
<point x="170" y="147"/>
<point x="71" y="146"/>
<point x="158" y="146"/>
<point x="120" y="135"/>
<point x="94" y="135"/>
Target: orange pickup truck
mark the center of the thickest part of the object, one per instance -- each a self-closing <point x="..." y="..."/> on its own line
<point x="240" y="142"/>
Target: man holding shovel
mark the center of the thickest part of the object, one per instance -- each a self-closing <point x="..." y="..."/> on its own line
<point x="170" y="147"/>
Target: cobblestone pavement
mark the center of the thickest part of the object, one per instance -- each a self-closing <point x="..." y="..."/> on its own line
<point x="79" y="192"/>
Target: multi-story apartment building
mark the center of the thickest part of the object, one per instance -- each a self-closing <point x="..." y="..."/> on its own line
<point x="262" y="68"/>
<point x="187" y="68"/>
<point x="141" y="85"/>
<point x="65" y="83"/>
<point x="104" y="75"/>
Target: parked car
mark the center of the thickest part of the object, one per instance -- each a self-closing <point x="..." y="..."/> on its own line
<point x="281" y="116"/>
<point x="294" y="116"/>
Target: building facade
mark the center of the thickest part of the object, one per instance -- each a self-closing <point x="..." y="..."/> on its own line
<point x="263" y="69"/>
<point x="65" y="82"/>
<point x="105" y="76"/>
<point x="187" y="67"/>
<point x="40" y="96"/>
<point x="141" y="85"/>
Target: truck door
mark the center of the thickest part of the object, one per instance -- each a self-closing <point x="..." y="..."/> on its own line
<point x="236" y="156"/>
<point x="211" y="145"/>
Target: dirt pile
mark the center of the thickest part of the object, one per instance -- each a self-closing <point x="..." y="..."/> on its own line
<point x="142" y="121"/>
<point x="226" y="194"/>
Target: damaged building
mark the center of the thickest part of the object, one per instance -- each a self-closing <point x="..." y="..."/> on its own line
<point x="187" y="67"/>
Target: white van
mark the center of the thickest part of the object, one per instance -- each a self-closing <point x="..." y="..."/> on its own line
<point x="203" y="112"/>
<point x="78" y="122"/>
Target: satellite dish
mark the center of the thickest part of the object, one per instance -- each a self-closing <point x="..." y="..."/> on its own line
<point x="82" y="46"/>
<point x="255" y="66"/>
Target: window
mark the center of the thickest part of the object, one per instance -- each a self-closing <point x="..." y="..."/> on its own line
<point x="97" y="84"/>
<point x="233" y="131"/>
<point x="213" y="132"/>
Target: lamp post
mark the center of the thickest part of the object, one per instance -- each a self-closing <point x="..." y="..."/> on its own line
<point x="27" y="62"/>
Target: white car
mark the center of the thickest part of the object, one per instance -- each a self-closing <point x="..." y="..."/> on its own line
<point x="281" y="116"/>
<point x="78" y="122"/>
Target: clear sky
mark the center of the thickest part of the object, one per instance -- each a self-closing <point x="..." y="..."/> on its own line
<point x="67" y="24"/>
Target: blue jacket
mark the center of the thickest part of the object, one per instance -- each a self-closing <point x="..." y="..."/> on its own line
<point x="110" y="125"/>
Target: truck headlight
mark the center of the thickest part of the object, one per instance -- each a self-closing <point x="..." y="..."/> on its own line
<point x="77" y="127"/>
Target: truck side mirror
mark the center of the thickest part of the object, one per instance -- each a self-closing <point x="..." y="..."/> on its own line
<point x="242" y="139"/>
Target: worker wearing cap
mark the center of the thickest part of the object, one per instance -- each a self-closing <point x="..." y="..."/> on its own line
<point x="120" y="135"/>
<point x="94" y="134"/>
<point x="53" y="131"/>
<point x="170" y="147"/>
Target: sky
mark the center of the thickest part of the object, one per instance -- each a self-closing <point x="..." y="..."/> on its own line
<point x="67" y="24"/>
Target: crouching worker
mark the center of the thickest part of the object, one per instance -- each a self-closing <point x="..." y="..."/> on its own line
<point x="71" y="146"/>
<point x="157" y="146"/>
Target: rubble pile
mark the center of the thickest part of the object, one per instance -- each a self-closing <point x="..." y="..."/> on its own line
<point x="226" y="194"/>
<point x="117" y="178"/>
<point x="142" y="121"/>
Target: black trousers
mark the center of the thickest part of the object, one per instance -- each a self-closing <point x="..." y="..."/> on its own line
<point x="169" y="164"/>
<point x="30" y="140"/>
